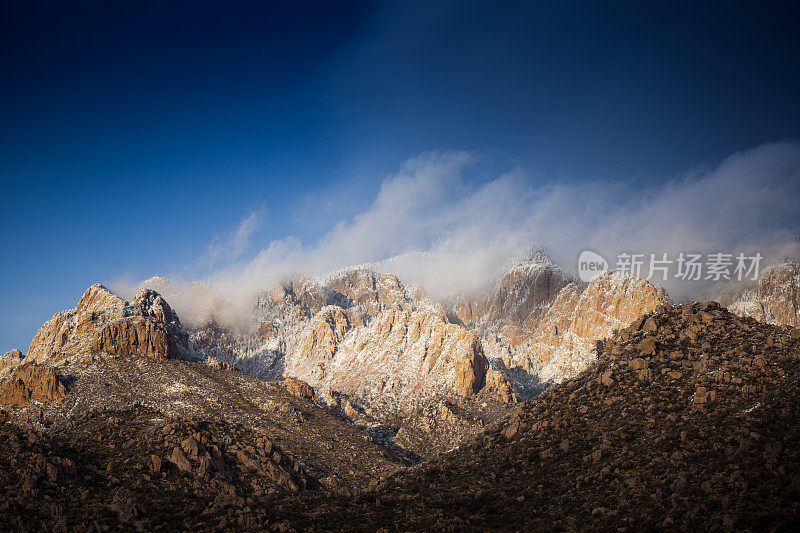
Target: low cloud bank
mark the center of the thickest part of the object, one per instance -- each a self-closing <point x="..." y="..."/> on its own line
<point x="441" y="227"/>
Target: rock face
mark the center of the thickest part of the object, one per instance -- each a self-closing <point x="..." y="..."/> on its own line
<point x="9" y="361"/>
<point x="319" y="343"/>
<point x="402" y="355"/>
<point x="565" y="338"/>
<point x="688" y="417"/>
<point x="563" y="341"/>
<point x="513" y="308"/>
<point x="777" y="297"/>
<point x="105" y="323"/>
<point x="30" y="382"/>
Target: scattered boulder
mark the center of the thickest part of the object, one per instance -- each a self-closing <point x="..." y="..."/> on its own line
<point x="180" y="460"/>
<point x="299" y="388"/>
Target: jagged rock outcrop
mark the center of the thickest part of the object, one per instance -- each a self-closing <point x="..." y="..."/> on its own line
<point x="30" y="382"/>
<point x="105" y="323"/>
<point x="498" y="387"/>
<point x="10" y="360"/>
<point x="362" y="292"/>
<point x="514" y="307"/>
<point x="562" y="344"/>
<point x="401" y="356"/>
<point x="299" y="389"/>
<point x="373" y="293"/>
<point x="776" y="300"/>
<point x="687" y="420"/>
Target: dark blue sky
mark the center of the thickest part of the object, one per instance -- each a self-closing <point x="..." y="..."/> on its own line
<point x="133" y="133"/>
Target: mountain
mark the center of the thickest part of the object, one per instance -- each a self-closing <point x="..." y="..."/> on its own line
<point x="103" y="322"/>
<point x="379" y="350"/>
<point x="122" y="414"/>
<point x="562" y="342"/>
<point x="776" y="299"/>
<point x="686" y="421"/>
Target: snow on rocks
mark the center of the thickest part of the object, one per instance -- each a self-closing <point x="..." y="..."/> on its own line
<point x="103" y="322"/>
<point x="777" y="298"/>
<point x="402" y="355"/>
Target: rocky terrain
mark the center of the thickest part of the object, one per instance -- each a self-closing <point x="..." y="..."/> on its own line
<point x="776" y="297"/>
<point x="686" y="421"/>
<point x="136" y="469"/>
<point x="105" y="323"/>
<point x="687" y="417"/>
<point x="354" y="401"/>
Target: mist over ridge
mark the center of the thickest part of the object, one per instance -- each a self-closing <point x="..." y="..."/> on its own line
<point x="429" y="225"/>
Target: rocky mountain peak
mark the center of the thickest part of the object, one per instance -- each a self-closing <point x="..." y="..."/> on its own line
<point x="516" y="302"/>
<point x="562" y="343"/>
<point x="103" y="322"/>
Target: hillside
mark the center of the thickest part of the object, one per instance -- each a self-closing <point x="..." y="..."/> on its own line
<point x="688" y="419"/>
<point x="662" y="416"/>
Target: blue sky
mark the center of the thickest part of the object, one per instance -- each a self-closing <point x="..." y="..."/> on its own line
<point x="135" y="135"/>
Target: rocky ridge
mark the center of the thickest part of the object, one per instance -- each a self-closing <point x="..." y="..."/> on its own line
<point x="103" y="322"/>
<point x="563" y="340"/>
<point x="776" y="298"/>
<point x="623" y="442"/>
<point x="688" y="417"/>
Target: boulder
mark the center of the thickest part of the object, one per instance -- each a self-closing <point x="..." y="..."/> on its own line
<point x="299" y="388"/>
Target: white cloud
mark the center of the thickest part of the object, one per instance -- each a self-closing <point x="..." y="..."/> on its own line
<point x="231" y="246"/>
<point x="449" y="233"/>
